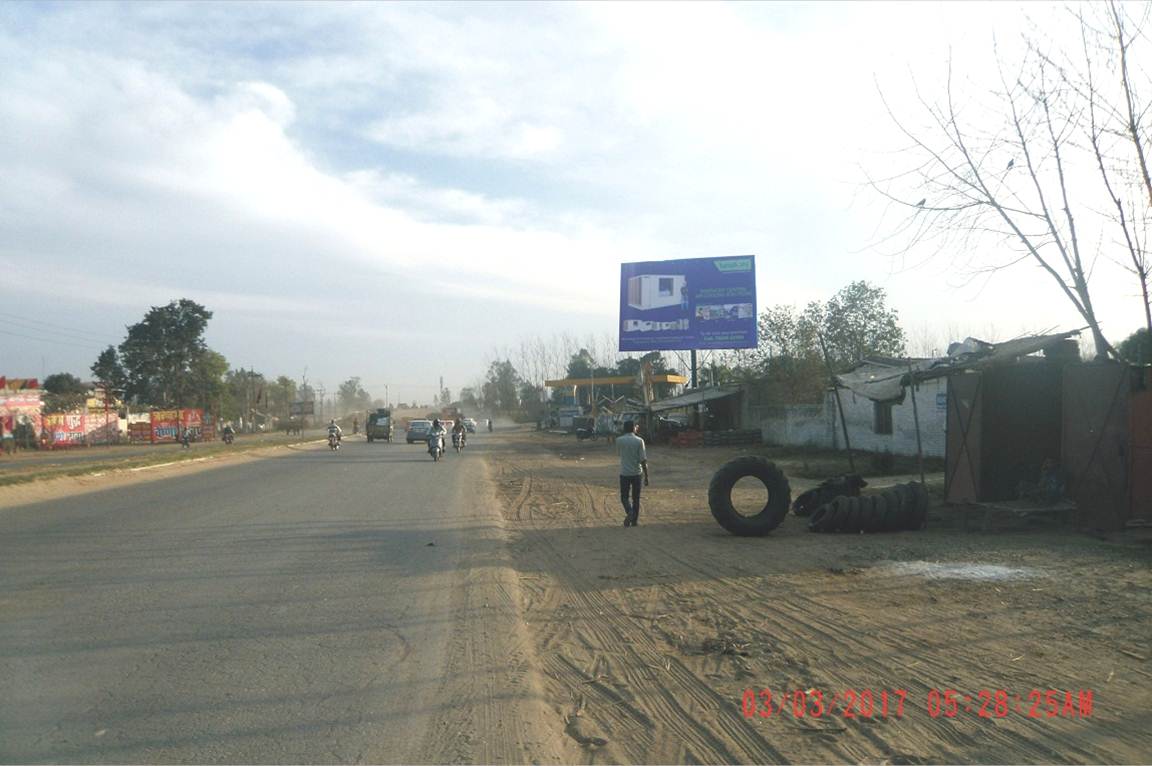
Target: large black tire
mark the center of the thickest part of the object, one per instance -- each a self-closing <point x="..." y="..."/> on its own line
<point x="773" y="512"/>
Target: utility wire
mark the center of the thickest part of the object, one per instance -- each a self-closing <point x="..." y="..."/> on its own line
<point x="18" y="325"/>
<point x="28" y="320"/>
<point x="47" y="340"/>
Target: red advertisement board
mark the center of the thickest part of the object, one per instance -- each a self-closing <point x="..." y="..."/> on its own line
<point x="102" y="427"/>
<point x="165" y="426"/>
<point x="65" y="429"/>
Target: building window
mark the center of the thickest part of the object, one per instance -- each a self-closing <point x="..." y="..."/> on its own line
<point x="882" y="417"/>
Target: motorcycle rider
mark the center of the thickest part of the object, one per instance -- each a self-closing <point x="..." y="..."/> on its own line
<point x="437" y="432"/>
<point x="229" y="433"/>
<point x="461" y="430"/>
<point x="333" y="428"/>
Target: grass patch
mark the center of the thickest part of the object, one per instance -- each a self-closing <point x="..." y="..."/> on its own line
<point x="164" y="454"/>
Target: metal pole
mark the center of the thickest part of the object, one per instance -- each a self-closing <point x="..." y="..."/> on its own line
<point x="839" y="404"/>
<point x="693" y="364"/>
<point x="916" y="421"/>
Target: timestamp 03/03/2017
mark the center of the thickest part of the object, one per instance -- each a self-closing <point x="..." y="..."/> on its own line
<point x="937" y="703"/>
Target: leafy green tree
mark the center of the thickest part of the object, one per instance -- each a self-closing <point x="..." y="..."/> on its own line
<point x="501" y="387"/>
<point x="108" y="371"/>
<point x="244" y="394"/>
<point x="280" y="395"/>
<point x="161" y="351"/>
<point x="858" y="322"/>
<point x="468" y="397"/>
<point x="64" y="392"/>
<point x="206" y="375"/>
<point x="352" y="396"/>
<point x="1137" y="347"/>
<point x="855" y="323"/>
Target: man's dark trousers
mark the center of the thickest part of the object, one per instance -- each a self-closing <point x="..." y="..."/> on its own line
<point x="630" y="484"/>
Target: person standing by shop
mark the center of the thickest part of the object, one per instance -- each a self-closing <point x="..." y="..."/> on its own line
<point x="633" y="467"/>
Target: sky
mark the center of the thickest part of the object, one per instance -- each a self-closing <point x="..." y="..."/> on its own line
<point x="393" y="191"/>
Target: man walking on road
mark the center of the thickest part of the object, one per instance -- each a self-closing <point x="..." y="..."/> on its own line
<point x="633" y="465"/>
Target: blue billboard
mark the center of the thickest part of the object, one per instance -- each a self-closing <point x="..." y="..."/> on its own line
<point x="700" y="303"/>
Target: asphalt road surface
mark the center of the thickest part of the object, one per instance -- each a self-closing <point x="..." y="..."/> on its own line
<point x="310" y="607"/>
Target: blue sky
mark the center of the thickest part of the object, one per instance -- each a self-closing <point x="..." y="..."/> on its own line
<point x="394" y="190"/>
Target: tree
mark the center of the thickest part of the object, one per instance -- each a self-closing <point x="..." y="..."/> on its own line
<point x="245" y="394"/>
<point x="501" y="387"/>
<point x="857" y="322"/>
<point x="64" y="392"/>
<point x="352" y="396"/>
<point x="854" y="323"/>
<point x="1137" y="347"/>
<point x="281" y="394"/>
<point x="108" y="371"/>
<point x="161" y="350"/>
<point x="468" y="397"/>
<point x="1010" y="172"/>
<point x="206" y="376"/>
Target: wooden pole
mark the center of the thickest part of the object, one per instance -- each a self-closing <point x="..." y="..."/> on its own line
<point x="916" y="421"/>
<point x="839" y="405"/>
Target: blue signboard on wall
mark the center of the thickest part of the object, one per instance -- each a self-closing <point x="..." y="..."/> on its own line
<point x="699" y="303"/>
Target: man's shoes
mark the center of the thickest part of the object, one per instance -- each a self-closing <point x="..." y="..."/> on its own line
<point x="628" y="521"/>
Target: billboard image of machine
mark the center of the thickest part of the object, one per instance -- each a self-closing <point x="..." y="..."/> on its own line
<point x="693" y="303"/>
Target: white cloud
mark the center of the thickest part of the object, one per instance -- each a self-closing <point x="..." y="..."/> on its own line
<point x="507" y="157"/>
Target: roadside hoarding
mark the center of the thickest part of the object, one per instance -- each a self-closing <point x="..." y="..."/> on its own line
<point x="102" y="427"/>
<point x="65" y="429"/>
<point x="692" y="303"/>
<point x="296" y="409"/>
<point x="165" y="425"/>
<point x="192" y="420"/>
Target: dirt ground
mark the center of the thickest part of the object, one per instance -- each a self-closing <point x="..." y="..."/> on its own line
<point x="649" y="638"/>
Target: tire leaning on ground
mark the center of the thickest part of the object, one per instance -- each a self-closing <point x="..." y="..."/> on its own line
<point x="773" y="512"/>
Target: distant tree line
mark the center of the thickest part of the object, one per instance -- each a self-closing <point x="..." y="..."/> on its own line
<point x="165" y="362"/>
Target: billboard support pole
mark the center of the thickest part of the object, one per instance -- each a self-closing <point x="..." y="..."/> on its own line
<point x="693" y="363"/>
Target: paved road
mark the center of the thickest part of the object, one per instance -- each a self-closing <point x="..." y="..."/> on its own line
<point x="290" y="609"/>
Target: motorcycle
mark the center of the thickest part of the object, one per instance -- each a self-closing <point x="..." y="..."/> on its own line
<point x="458" y="441"/>
<point x="436" y="447"/>
<point x="333" y="441"/>
<point x="229" y="437"/>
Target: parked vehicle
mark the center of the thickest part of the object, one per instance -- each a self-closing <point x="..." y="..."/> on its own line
<point x="470" y="425"/>
<point x="436" y="447"/>
<point x="418" y="431"/>
<point x="379" y="426"/>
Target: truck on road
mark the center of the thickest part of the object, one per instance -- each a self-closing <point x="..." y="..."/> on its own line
<point x="379" y="425"/>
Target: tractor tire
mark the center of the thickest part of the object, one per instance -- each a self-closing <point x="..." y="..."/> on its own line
<point x="773" y="512"/>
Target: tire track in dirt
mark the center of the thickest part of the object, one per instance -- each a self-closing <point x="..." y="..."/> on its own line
<point x="629" y="663"/>
<point x="633" y="656"/>
<point x="797" y="616"/>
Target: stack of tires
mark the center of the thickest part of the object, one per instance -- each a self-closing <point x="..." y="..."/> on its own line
<point x="903" y="507"/>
